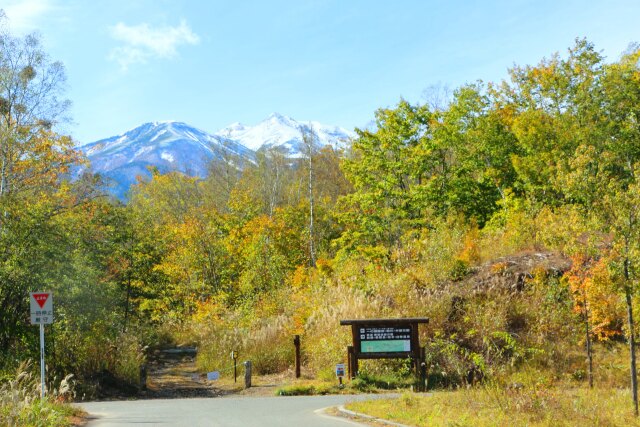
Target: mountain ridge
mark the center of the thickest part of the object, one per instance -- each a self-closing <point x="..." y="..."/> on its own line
<point x="177" y="146"/>
<point x="284" y="133"/>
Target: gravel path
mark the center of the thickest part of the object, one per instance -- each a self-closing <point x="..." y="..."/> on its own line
<point x="172" y="374"/>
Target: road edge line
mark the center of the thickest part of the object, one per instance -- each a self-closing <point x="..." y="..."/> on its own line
<point x="348" y="415"/>
<point x="322" y="412"/>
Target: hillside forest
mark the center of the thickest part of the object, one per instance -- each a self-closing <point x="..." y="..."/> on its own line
<point x="541" y="165"/>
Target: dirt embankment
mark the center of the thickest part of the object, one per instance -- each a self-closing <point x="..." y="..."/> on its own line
<point x="511" y="273"/>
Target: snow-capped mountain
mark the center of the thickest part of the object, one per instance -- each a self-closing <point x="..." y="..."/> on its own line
<point x="176" y="146"/>
<point x="284" y="133"/>
<point x="168" y="146"/>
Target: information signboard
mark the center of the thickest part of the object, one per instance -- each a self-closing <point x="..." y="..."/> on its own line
<point x="385" y="339"/>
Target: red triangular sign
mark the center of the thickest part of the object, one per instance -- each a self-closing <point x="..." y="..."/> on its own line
<point x="41" y="299"/>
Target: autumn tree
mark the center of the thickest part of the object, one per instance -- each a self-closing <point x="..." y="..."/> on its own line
<point x="619" y="208"/>
<point x="595" y="300"/>
<point x="34" y="164"/>
<point x="601" y="176"/>
<point x="31" y="86"/>
<point x="162" y="215"/>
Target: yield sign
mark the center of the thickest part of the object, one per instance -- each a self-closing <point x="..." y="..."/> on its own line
<point x="41" y="299"/>
<point x="41" y="304"/>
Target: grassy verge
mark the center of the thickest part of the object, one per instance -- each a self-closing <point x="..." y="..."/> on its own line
<point x="490" y="406"/>
<point x="309" y="388"/>
<point x="364" y="383"/>
<point x="20" y="403"/>
<point x="40" y="413"/>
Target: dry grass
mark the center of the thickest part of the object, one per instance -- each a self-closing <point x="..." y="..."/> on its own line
<point x="20" y="403"/>
<point x="491" y="406"/>
<point x="266" y="343"/>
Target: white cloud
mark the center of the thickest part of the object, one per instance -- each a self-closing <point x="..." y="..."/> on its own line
<point x="24" y="15"/>
<point x="142" y="42"/>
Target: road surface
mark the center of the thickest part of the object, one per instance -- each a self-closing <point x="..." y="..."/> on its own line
<point x="211" y="412"/>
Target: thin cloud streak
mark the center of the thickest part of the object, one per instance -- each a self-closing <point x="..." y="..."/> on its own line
<point x="142" y="42"/>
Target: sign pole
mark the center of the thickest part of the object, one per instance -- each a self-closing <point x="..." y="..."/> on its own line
<point x="42" y="360"/>
<point x="41" y="311"/>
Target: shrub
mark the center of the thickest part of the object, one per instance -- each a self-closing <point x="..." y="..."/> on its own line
<point x="308" y="389"/>
<point x="297" y="390"/>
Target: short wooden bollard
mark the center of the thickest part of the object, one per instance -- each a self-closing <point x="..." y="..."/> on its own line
<point x="247" y="374"/>
<point x="423" y="369"/>
<point x="234" y="356"/>
<point x="296" y="342"/>
<point x="143" y="377"/>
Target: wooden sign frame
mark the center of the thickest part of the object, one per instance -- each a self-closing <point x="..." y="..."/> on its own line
<point x="387" y="336"/>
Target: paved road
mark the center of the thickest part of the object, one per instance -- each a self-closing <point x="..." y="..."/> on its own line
<point x="212" y="412"/>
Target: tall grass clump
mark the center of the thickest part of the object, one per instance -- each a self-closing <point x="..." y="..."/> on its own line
<point x="265" y="342"/>
<point x="21" y="405"/>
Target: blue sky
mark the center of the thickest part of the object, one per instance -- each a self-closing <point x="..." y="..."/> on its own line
<point x="211" y="63"/>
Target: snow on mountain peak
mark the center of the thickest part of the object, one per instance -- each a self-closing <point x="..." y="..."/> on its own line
<point x="176" y="146"/>
<point x="167" y="146"/>
<point x="284" y="133"/>
<point x="279" y="118"/>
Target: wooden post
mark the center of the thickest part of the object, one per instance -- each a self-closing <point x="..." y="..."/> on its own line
<point x="415" y="348"/>
<point x="353" y="362"/>
<point x="143" y="377"/>
<point x="423" y="369"/>
<point x="296" y="342"/>
<point x="247" y="374"/>
<point x="234" y="356"/>
<point x="356" y="366"/>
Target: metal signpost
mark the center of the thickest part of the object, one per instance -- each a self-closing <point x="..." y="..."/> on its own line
<point x="41" y="304"/>
<point x="340" y="374"/>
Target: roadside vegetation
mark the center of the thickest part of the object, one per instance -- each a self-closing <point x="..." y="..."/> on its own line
<point x="20" y="403"/>
<point x="505" y="212"/>
<point x="496" y="406"/>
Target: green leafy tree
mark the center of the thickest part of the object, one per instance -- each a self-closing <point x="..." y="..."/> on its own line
<point x="387" y="170"/>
